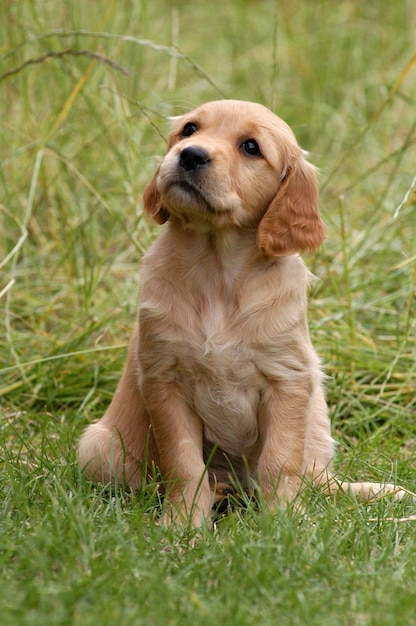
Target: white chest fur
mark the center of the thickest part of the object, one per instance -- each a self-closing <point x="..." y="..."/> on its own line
<point x="227" y="387"/>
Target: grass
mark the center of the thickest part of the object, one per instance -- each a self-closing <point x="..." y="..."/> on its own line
<point x="85" y="89"/>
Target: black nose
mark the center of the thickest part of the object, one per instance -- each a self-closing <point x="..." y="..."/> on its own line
<point x="193" y="157"/>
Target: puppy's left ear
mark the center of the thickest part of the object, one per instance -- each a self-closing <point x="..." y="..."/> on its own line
<point x="152" y="202"/>
<point x="292" y="222"/>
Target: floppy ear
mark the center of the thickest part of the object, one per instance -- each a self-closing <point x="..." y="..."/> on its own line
<point x="152" y="202"/>
<point x="292" y="222"/>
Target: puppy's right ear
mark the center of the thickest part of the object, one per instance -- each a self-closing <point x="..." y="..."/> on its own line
<point x="152" y="201"/>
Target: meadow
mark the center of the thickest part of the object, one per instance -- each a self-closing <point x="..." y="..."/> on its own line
<point x="85" y="89"/>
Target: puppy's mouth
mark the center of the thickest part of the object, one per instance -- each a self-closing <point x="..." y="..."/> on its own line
<point x="189" y="195"/>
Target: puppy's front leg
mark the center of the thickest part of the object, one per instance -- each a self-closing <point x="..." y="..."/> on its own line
<point x="282" y="422"/>
<point x="178" y="433"/>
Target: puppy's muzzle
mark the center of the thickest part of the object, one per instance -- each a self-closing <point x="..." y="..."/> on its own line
<point x="193" y="158"/>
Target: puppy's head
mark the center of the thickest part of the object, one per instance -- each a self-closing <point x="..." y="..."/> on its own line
<point x="235" y="163"/>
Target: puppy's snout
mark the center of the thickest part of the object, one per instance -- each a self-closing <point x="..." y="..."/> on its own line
<point x="193" y="157"/>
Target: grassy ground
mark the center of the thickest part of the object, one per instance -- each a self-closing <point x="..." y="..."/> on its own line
<point x="84" y="92"/>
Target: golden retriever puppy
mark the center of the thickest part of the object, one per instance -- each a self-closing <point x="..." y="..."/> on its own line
<point x="222" y="382"/>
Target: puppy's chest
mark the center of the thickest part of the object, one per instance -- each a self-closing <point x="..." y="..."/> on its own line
<point x="224" y="381"/>
<point x="224" y="339"/>
<point x="211" y="349"/>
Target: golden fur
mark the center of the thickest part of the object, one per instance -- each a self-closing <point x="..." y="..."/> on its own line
<point x="221" y="366"/>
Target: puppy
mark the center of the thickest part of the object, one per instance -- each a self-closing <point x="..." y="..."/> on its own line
<point x="222" y="382"/>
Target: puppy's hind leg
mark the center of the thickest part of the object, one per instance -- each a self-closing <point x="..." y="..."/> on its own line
<point x="117" y="448"/>
<point x="319" y="451"/>
<point x="372" y="491"/>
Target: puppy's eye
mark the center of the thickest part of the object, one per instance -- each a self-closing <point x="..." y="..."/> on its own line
<point x="251" y="147"/>
<point x="189" y="129"/>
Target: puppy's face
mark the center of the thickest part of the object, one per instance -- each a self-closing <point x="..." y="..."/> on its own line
<point x="227" y="163"/>
<point x="224" y="163"/>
